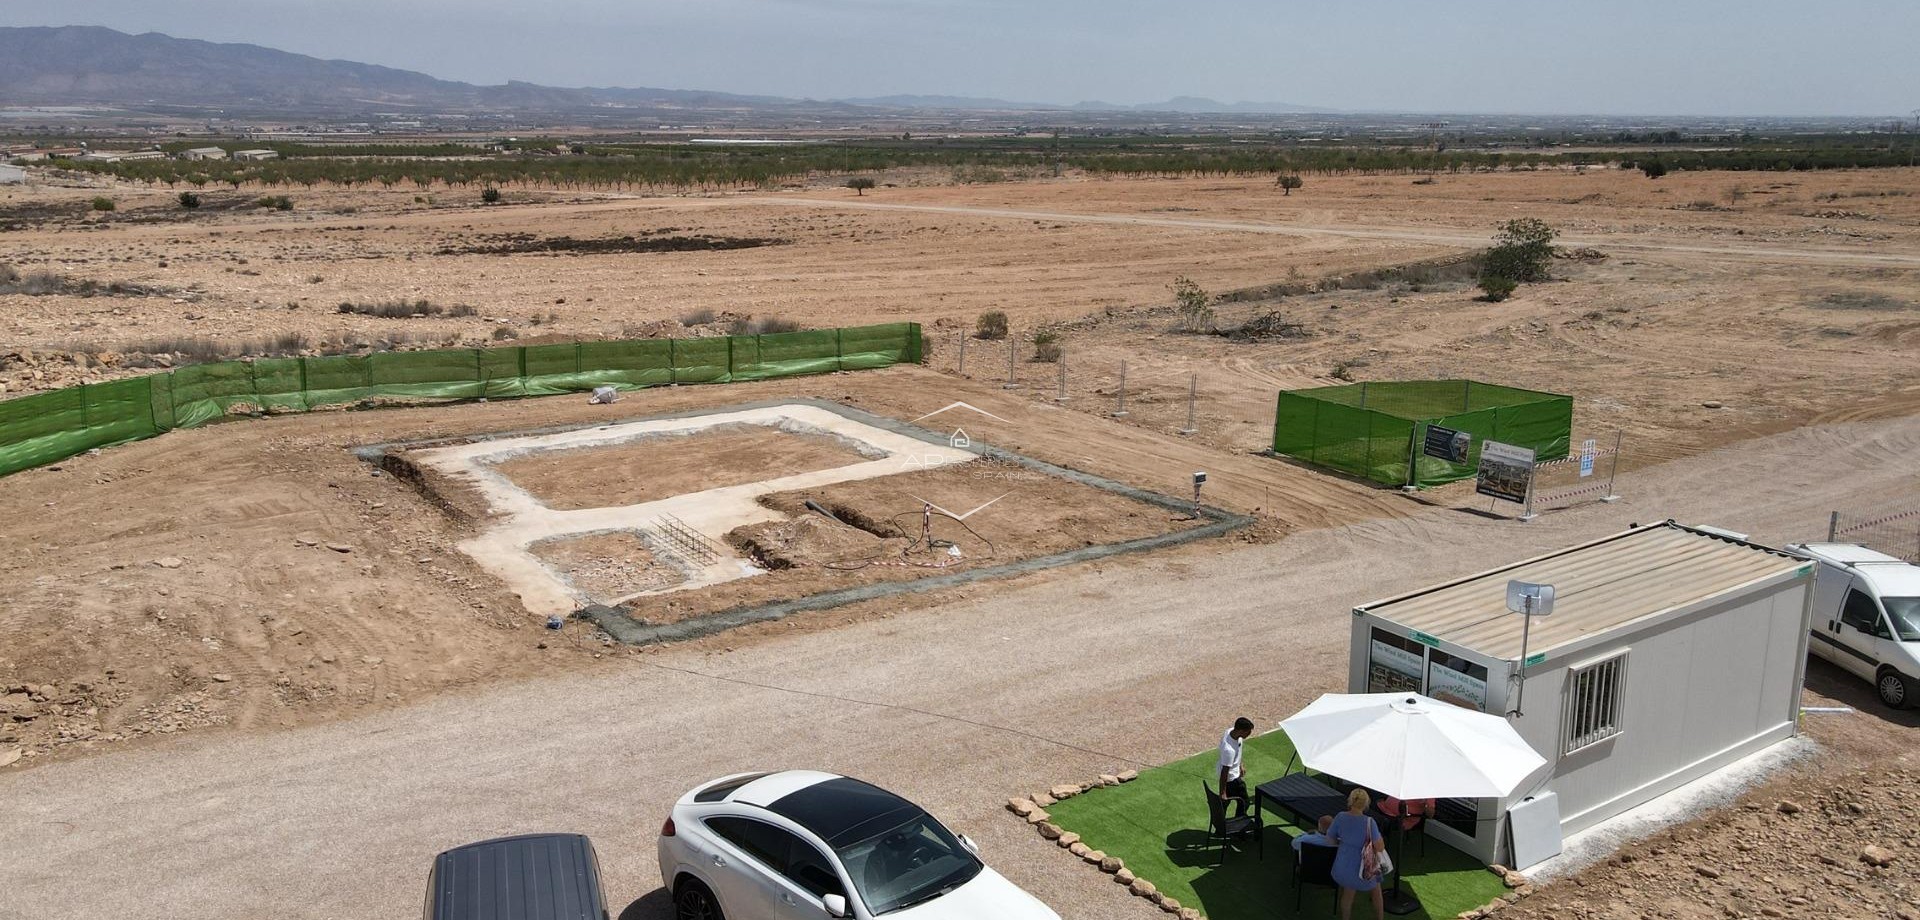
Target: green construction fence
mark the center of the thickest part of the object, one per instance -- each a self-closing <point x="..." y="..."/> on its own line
<point x="52" y="426"/>
<point x="1376" y="430"/>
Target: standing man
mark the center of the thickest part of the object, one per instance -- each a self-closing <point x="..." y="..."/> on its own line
<point x="1233" y="776"/>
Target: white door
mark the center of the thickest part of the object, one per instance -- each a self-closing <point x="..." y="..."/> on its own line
<point x="1829" y="592"/>
<point x="744" y="867"/>
<point x="1861" y="626"/>
<point x="809" y="877"/>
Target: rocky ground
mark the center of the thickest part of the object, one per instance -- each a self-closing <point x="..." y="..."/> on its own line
<point x="1826" y="846"/>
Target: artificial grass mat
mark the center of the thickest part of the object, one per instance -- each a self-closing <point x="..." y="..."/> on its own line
<point x="1158" y="825"/>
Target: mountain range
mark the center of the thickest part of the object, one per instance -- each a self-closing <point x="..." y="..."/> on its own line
<point x="91" y="65"/>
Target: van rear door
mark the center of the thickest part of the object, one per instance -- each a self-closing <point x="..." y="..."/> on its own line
<point x="1830" y="588"/>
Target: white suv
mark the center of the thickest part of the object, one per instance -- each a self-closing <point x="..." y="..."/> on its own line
<point x="802" y="845"/>
<point x="1866" y="616"/>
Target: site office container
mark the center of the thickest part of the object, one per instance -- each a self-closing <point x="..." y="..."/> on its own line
<point x="1671" y="652"/>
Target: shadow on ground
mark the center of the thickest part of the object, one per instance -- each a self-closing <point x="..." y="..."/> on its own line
<point x="654" y="905"/>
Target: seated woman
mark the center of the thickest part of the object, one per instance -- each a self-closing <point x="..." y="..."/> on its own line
<point x="1356" y="866"/>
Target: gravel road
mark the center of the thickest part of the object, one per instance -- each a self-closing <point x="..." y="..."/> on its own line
<point x="1001" y="690"/>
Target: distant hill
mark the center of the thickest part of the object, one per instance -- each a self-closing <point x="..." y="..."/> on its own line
<point x="82" y="65"/>
<point x="73" y="65"/>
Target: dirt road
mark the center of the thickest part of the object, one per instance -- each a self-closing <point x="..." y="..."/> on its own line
<point x="1001" y="691"/>
<point x="1463" y="238"/>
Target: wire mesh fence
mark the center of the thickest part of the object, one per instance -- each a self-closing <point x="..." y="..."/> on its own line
<point x="1588" y="474"/>
<point x="1894" y="530"/>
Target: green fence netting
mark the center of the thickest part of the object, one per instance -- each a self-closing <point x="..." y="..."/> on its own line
<point x="1376" y="430"/>
<point x="52" y="426"/>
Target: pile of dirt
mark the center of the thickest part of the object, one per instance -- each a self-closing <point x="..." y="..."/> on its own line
<point x="1795" y="849"/>
<point x="809" y="540"/>
<point x="523" y="243"/>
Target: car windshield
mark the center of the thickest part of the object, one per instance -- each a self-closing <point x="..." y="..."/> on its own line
<point x="1905" y="614"/>
<point x="912" y="862"/>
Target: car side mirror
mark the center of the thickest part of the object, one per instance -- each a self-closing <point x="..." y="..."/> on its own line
<point x="967" y="842"/>
<point x="836" y="905"/>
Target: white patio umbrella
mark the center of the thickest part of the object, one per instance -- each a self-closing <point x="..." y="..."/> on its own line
<point x="1410" y="746"/>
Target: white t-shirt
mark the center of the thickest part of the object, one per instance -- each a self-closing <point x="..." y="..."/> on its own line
<point x="1230" y="755"/>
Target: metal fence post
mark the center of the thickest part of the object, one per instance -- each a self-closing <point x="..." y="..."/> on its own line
<point x="1833" y="526"/>
<point x="1413" y="458"/>
<point x="1193" y="393"/>
<point x="1012" y="343"/>
<point x="1120" y="408"/>
<point x="963" y="352"/>
<point x="1062" y="395"/>
<point x="1613" y="469"/>
<point x="1526" y="514"/>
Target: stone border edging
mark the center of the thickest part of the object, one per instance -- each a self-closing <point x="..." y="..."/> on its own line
<point x="1032" y="809"/>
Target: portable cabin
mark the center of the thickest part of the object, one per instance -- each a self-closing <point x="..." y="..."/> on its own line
<point x="1670" y="652"/>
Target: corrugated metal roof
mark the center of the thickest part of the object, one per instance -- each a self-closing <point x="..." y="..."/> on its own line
<point x="1598" y="587"/>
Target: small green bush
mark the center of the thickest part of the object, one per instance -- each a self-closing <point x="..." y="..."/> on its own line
<point x="275" y="202"/>
<point x="490" y="195"/>
<point x="189" y="200"/>
<point x="1046" y="346"/>
<point x="860" y="184"/>
<point x="102" y="203"/>
<point x="1497" y="287"/>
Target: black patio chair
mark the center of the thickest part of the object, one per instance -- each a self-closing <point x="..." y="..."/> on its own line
<point x="1228" y="829"/>
<point x="1313" y="865"/>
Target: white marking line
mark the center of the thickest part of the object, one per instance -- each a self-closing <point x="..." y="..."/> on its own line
<point x="504" y="548"/>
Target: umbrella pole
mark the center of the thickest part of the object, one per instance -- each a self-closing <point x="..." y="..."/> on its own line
<point x="1397" y="902"/>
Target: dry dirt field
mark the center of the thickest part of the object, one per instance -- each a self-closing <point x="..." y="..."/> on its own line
<point x="250" y="577"/>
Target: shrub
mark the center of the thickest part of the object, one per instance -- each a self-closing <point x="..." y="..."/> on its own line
<point x="189" y="200"/>
<point x="490" y="195"/>
<point x="991" y="325"/>
<point x="698" y="317"/>
<point x="275" y="202"/>
<point x="762" y="326"/>
<point x="463" y="309"/>
<point x="1194" y="304"/>
<point x="1497" y="287"/>
<point x="102" y="203"/>
<point x="1653" y="168"/>
<point x="1046" y="346"/>
<point x="1521" y="253"/>
<point x="860" y="184"/>
<point x="503" y="333"/>
<point x="392" y="309"/>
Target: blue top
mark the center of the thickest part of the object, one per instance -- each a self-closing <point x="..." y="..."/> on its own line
<point x="1353" y="832"/>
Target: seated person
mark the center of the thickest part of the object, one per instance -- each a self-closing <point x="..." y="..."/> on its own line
<point x="1316" y="837"/>
<point x="1409" y="812"/>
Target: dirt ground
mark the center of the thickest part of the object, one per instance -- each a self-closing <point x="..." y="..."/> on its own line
<point x="877" y="536"/>
<point x="256" y="578"/>
<point x="607" y="566"/>
<point x="675" y="464"/>
<point x="318" y="586"/>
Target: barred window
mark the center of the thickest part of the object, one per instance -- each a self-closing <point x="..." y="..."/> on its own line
<point x="1594" y="702"/>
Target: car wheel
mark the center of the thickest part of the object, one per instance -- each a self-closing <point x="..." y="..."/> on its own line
<point x="693" y="901"/>
<point x="1893" y="688"/>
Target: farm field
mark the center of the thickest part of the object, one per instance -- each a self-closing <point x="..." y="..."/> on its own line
<point x="251" y="592"/>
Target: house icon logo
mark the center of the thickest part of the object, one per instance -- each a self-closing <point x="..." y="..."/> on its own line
<point x="959" y="440"/>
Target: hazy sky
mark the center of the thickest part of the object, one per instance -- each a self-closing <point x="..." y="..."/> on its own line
<point x="1775" y="57"/>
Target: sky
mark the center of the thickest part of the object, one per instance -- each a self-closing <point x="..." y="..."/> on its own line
<point x="1643" y="57"/>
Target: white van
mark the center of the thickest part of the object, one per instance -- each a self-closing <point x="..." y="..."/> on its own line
<point x="1866" y="616"/>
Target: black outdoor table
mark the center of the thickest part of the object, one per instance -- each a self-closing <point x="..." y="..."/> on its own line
<point x="1305" y="798"/>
